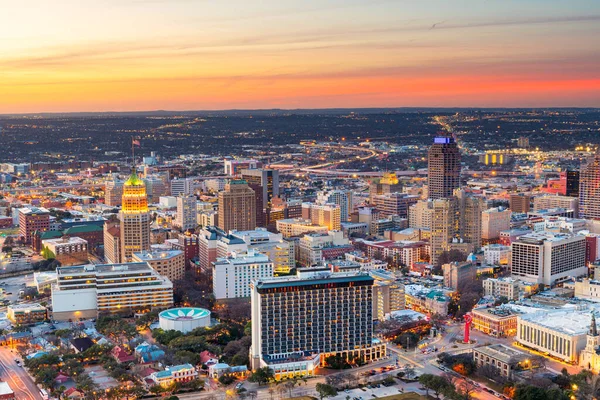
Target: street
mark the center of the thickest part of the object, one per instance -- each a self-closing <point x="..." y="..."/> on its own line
<point x="16" y="376"/>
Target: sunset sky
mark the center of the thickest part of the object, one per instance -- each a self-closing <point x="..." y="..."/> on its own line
<point x="120" y="55"/>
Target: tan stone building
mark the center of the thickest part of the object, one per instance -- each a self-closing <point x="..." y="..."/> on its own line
<point x="237" y="207"/>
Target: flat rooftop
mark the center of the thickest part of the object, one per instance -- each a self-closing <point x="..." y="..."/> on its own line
<point x="568" y="322"/>
<point x="157" y="255"/>
<point x="82" y="269"/>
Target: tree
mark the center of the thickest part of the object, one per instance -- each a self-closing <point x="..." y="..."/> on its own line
<point x="408" y="340"/>
<point x="451" y="256"/>
<point x="262" y="375"/>
<point x="324" y="390"/>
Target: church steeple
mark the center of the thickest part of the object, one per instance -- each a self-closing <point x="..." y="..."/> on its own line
<point x="593" y="326"/>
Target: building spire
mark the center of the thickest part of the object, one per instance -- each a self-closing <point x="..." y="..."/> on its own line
<point x="593" y="326"/>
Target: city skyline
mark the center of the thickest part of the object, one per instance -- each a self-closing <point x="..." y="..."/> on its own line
<point x="195" y="55"/>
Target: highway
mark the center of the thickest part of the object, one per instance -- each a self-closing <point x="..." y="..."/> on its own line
<point x="17" y="377"/>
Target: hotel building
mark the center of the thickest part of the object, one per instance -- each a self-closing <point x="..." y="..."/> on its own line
<point x="90" y="290"/>
<point x="297" y="322"/>
<point x="548" y="258"/>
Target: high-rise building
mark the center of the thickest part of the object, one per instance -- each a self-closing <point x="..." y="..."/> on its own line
<point x="589" y="188"/>
<point x="343" y="198"/>
<point x="32" y="219"/>
<point x="420" y="214"/>
<point x="87" y="291"/>
<point x="444" y="226"/>
<point x="232" y="274"/>
<point x="113" y="192"/>
<point x="548" y="258"/>
<point x="470" y="208"/>
<point x="265" y="179"/>
<point x="394" y="204"/>
<point x="387" y="184"/>
<point x="519" y="203"/>
<point x="237" y="207"/>
<point x="265" y="183"/>
<point x="135" y="218"/>
<point x="187" y="212"/>
<point x="328" y="215"/>
<point x="182" y="186"/>
<point x="494" y="221"/>
<point x="443" y="169"/>
<point x="112" y="242"/>
<point x="572" y="184"/>
<point x="297" y="322"/>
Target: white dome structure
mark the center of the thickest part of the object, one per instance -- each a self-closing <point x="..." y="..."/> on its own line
<point x="184" y="319"/>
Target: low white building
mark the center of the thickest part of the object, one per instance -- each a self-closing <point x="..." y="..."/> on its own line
<point x="561" y="334"/>
<point x="232" y="275"/>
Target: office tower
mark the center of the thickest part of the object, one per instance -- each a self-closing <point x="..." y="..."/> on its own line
<point x="456" y="274"/>
<point x="328" y="215"/>
<point x="232" y="274"/>
<point x="444" y="226"/>
<point x="237" y="207"/>
<point x="494" y="221"/>
<point x="589" y="188"/>
<point x="32" y="219"/>
<point x="135" y="218"/>
<point x="113" y="192"/>
<point x="554" y="201"/>
<point x="265" y="179"/>
<point x="394" y="204"/>
<point x="88" y="291"/>
<point x="519" y="203"/>
<point x="298" y="321"/>
<point x="470" y="208"/>
<point x="572" y="184"/>
<point x="187" y="212"/>
<point x="265" y="183"/>
<point x="548" y="258"/>
<point x="387" y="184"/>
<point x="343" y="198"/>
<point x="168" y="263"/>
<point x="420" y="214"/>
<point x="112" y="242"/>
<point x="182" y="186"/>
<point x="443" y="168"/>
<point x="523" y="142"/>
<point x="314" y="248"/>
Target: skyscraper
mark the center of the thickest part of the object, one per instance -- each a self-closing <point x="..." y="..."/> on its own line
<point x="443" y="169"/>
<point x="135" y="218"/>
<point x="265" y="183"/>
<point x="187" y="211"/>
<point x="470" y="208"/>
<point x="237" y="207"/>
<point x="589" y="188"/>
<point x="572" y="184"/>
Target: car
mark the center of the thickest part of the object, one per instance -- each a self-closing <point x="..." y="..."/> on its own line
<point x="347" y="391"/>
